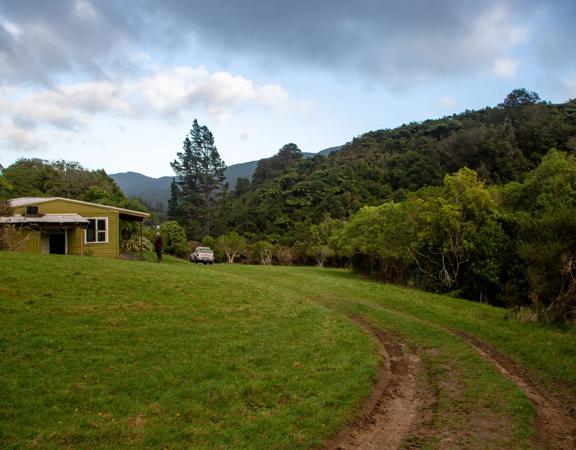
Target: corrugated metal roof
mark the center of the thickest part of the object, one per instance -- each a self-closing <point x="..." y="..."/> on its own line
<point x="47" y="219"/>
<point x="25" y="201"/>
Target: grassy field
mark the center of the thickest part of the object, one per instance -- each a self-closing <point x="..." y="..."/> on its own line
<point x="98" y="353"/>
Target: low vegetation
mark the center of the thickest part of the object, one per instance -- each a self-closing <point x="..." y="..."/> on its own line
<point x="101" y="353"/>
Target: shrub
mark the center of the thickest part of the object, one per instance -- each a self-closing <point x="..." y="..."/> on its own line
<point x="174" y="237"/>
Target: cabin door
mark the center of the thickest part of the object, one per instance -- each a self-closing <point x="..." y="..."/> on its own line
<point x="57" y="243"/>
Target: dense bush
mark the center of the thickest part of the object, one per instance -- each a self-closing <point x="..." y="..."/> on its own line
<point x="174" y="239"/>
<point x="511" y="245"/>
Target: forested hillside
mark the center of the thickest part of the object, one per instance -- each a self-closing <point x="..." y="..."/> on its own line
<point x="41" y="178"/>
<point x="480" y="204"/>
<point x="500" y="144"/>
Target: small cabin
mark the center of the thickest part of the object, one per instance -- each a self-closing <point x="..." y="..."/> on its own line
<point x="56" y="225"/>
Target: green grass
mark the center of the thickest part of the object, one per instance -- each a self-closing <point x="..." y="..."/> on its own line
<point x="98" y="353"/>
<point x="425" y="319"/>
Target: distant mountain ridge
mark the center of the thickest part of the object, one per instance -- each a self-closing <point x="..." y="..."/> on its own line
<point x="156" y="191"/>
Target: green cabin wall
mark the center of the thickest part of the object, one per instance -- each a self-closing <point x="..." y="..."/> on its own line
<point x="26" y="241"/>
<point x="76" y="237"/>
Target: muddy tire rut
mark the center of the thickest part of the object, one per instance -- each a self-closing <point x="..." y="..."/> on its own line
<point x="387" y="416"/>
<point x="554" y="426"/>
<point x="397" y="408"/>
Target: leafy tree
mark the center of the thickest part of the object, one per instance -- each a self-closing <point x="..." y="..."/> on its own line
<point x="376" y="240"/>
<point x="546" y="205"/>
<point x="242" y="186"/>
<point x="520" y="97"/>
<point x="284" y="255"/>
<point x="319" y="237"/>
<point x="5" y="194"/>
<point x="174" y="239"/>
<point x="37" y="177"/>
<point x="262" y="252"/>
<point x="272" y="167"/>
<point x="444" y="223"/>
<point x="232" y="244"/>
<point x="200" y="176"/>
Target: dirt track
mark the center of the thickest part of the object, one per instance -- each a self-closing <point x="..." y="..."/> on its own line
<point x="388" y="414"/>
<point x="396" y="408"/>
<point x="554" y="426"/>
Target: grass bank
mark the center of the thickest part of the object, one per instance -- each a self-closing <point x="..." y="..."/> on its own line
<point x="100" y="353"/>
<point x="470" y="392"/>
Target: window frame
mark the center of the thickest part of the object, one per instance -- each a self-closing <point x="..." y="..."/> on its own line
<point x="96" y="219"/>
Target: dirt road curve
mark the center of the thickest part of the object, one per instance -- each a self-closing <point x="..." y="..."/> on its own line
<point x="396" y="408"/>
<point x="387" y="415"/>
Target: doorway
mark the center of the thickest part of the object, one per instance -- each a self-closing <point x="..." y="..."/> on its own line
<point x="57" y="243"/>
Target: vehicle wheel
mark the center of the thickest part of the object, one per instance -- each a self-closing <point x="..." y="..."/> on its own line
<point x="211" y="262"/>
<point x="205" y="263"/>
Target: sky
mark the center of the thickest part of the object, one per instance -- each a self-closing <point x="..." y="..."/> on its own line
<point x="116" y="84"/>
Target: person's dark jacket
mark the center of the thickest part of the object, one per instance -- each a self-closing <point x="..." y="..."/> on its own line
<point x="158" y="243"/>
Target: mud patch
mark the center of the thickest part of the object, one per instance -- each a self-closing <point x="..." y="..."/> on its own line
<point x="391" y="411"/>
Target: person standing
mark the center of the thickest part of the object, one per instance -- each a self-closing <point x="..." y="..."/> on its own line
<point x="158" y="246"/>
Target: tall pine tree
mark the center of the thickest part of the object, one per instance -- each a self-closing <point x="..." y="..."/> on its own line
<point x="174" y="211"/>
<point x="200" y="177"/>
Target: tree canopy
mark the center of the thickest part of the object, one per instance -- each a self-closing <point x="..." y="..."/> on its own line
<point x="199" y="182"/>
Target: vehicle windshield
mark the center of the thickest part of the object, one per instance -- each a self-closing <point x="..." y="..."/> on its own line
<point x="203" y="249"/>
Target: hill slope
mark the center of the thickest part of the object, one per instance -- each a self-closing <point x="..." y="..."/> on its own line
<point x="157" y="190"/>
<point x="265" y="356"/>
<point x="501" y="144"/>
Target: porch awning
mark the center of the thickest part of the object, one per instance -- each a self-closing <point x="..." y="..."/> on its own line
<point x="70" y="220"/>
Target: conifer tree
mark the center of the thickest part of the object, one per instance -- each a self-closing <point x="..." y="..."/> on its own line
<point x="174" y="211"/>
<point x="200" y="176"/>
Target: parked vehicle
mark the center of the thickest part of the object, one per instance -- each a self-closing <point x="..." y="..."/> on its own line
<point x="202" y="254"/>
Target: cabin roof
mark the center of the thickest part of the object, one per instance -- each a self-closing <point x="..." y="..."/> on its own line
<point x="26" y="201"/>
<point x="52" y="219"/>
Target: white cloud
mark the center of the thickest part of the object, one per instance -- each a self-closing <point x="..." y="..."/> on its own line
<point x="504" y="68"/>
<point x="447" y="102"/>
<point x="570" y="84"/>
<point x="68" y="107"/>
<point x="84" y="9"/>
<point x="165" y="93"/>
<point x="17" y="138"/>
<point x="493" y="30"/>
<point x="11" y="28"/>
<point x="218" y="92"/>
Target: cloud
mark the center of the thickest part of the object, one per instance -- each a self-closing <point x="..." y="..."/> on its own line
<point x="394" y="43"/>
<point x="390" y="42"/>
<point x="17" y="138"/>
<point x="447" y="102"/>
<point x="505" y="68"/>
<point x="570" y="84"/>
<point x="165" y="94"/>
<point x="41" y="40"/>
<point x="171" y="91"/>
<point x="67" y="107"/>
<point x="248" y="133"/>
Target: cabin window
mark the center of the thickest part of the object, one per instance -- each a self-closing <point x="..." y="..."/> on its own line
<point x="97" y="231"/>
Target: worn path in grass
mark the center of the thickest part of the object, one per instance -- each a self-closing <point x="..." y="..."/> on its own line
<point x="457" y="401"/>
<point x="554" y="424"/>
<point x="395" y="406"/>
<point x="107" y="354"/>
<point x="386" y="417"/>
